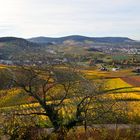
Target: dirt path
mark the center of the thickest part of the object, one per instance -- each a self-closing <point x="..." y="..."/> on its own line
<point x="114" y="126"/>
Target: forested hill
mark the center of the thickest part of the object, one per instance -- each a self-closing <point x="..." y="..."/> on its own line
<point x="18" y="42"/>
<point x="81" y="39"/>
<point x="11" y="47"/>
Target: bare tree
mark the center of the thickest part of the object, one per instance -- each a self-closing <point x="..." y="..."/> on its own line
<point x="53" y="88"/>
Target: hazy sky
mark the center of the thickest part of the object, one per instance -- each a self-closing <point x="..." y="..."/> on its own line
<point x="30" y="18"/>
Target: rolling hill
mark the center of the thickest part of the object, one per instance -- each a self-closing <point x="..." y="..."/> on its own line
<point x="12" y="46"/>
<point x="79" y="38"/>
<point x="15" y="48"/>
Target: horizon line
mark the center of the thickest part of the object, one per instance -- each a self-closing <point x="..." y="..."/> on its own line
<point x="71" y="35"/>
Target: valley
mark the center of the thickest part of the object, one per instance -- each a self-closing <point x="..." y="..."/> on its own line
<point x="68" y="84"/>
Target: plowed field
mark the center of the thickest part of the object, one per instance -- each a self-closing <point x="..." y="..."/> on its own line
<point x="133" y="80"/>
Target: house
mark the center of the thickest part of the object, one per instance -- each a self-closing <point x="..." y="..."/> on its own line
<point x="137" y="70"/>
<point x="115" y="69"/>
<point x="103" y="69"/>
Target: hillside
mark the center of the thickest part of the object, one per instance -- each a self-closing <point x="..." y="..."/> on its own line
<point x="12" y="46"/>
<point x="18" y="42"/>
<point x="78" y="38"/>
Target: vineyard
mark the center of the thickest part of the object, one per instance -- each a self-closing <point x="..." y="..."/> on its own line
<point x="119" y="88"/>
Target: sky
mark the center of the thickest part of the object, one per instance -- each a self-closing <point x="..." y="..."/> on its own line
<point x="55" y="18"/>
